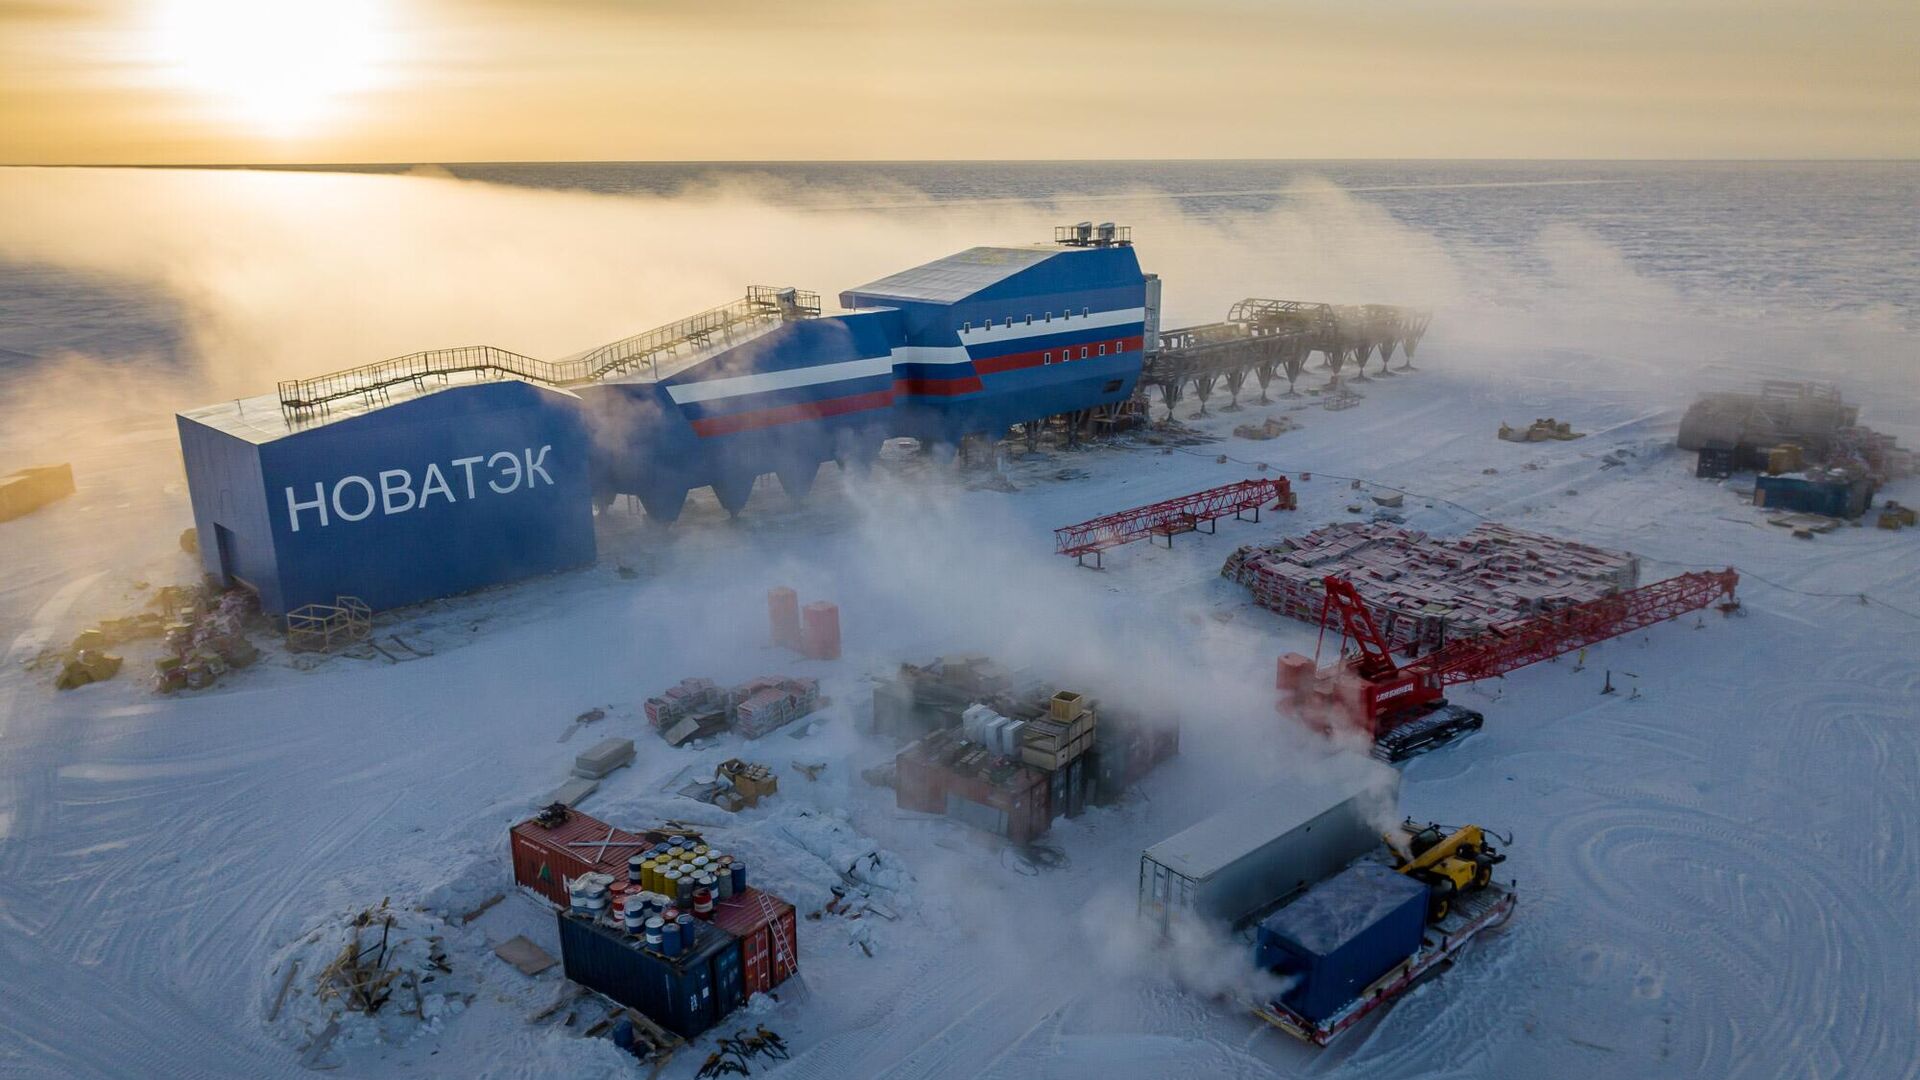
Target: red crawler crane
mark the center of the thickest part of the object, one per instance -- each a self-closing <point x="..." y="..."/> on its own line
<point x="1402" y="708"/>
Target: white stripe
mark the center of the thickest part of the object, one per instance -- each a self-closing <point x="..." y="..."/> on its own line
<point x="711" y="389"/>
<point x="714" y="389"/>
<point x="1062" y="325"/>
<point x="931" y="354"/>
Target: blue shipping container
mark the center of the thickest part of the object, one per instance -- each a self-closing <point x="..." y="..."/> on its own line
<point x="1341" y="935"/>
<point x="1842" y="497"/>
<point x="686" y="994"/>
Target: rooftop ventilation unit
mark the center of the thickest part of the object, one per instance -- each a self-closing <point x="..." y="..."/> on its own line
<point x="1087" y="234"/>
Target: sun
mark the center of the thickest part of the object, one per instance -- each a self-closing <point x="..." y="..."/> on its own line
<point x="283" y="67"/>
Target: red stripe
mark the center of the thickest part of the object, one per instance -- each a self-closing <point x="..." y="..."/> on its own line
<point x="790" y="414"/>
<point x="965" y="384"/>
<point x="994" y="365"/>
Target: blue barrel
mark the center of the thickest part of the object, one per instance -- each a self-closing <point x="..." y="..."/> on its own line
<point x="739" y="871"/>
<point x="655" y="927"/>
<point x="634" y="865"/>
<point x="685" y="923"/>
<point x="670" y="939"/>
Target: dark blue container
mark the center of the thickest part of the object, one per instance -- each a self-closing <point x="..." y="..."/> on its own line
<point x="687" y="994"/>
<point x="1834" y="496"/>
<point x="1341" y="935"/>
<point x="739" y="871"/>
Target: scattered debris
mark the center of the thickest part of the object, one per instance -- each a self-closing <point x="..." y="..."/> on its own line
<point x="526" y="957"/>
<point x="329" y="627"/>
<point x="570" y="793"/>
<point x="1541" y="430"/>
<point x="208" y="639"/>
<point x="754" y="782"/>
<point x="86" y="666"/>
<point x="1272" y="427"/>
<point x="1805" y="525"/>
<point x="280" y="998"/>
<point x="809" y="770"/>
<point x="482" y="909"/>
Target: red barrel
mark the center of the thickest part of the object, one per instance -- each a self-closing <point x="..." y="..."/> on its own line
<point x="822" y="634"/>
<point x="783" y="611"/>
<point x="703" y="903"/>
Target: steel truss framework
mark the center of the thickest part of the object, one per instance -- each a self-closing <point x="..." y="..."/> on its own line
<point x="1264" y="338"/>
<point x="1171" y="516"/>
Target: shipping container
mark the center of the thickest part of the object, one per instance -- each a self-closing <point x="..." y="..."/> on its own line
<point x="1126" y="747"/>
<point x="545" y="859"/>
<point x="945" y="774"/>
<point x="754" y="917"/>
<point x="687" y="993"/>
<point x="1835" y="494"/>
<point x="1265" y="848"/>
<point x="1341" y="935"/>
<point x="1067" y="789"/>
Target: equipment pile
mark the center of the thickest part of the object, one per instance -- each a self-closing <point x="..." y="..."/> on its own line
<point x="698" y="708"/>
<point x="1424" y="592"/>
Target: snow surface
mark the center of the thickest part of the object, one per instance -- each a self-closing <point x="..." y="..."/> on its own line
<point x="1717" y="866"/>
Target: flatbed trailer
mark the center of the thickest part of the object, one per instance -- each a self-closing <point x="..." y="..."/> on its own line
<point x="1474" y="912"/>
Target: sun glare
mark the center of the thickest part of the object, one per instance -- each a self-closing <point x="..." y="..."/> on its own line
<point x="282" y="67"/>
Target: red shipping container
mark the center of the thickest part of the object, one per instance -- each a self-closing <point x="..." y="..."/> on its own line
<point x="783" y="610"/>
<point x="544" y="861"/>
<point x="918" y="785"/>
<point x="754" y="917"/>
<point x="821" y="635"/>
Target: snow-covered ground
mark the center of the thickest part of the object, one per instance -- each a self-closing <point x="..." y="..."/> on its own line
<point x="1718" y="876"/>
<point x="1717" y="866"/>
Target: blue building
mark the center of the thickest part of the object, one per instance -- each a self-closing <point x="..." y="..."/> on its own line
<point x="445" y="471"/>
<point x="428" y="495"/>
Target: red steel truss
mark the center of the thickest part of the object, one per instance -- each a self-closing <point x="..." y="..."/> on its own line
<point x="1369" y="691"/>
<point x="1515" y="645"/>
<point x="1183" y="514"/>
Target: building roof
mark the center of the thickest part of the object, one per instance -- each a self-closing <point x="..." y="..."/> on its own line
<point x="1245" y="827"/>
<point x="958" y="276"/>
<point x="1344" y="906"/>
<point x="261" y="419"/>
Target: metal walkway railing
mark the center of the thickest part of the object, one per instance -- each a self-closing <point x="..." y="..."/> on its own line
<point x="653" y="351"/>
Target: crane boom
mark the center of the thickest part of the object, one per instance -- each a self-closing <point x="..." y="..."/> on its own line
<point x="1510" y="646"/>
<point x="1402" y="708"/>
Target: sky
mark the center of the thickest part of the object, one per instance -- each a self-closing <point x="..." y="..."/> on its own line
<point x="291" y="81"/>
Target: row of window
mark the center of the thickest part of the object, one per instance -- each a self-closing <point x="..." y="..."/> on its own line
<point x="1046" y="317"/>
<point x="1067" y="354"/>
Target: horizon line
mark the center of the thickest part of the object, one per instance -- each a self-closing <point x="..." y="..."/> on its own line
<point x="953" y="161"/>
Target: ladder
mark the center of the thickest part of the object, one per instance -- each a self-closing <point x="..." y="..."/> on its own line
<point x="778" y="945"/>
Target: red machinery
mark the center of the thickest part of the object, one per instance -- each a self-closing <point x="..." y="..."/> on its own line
<point x="1183" y="514"/>
<point x="1402" y="708"/>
